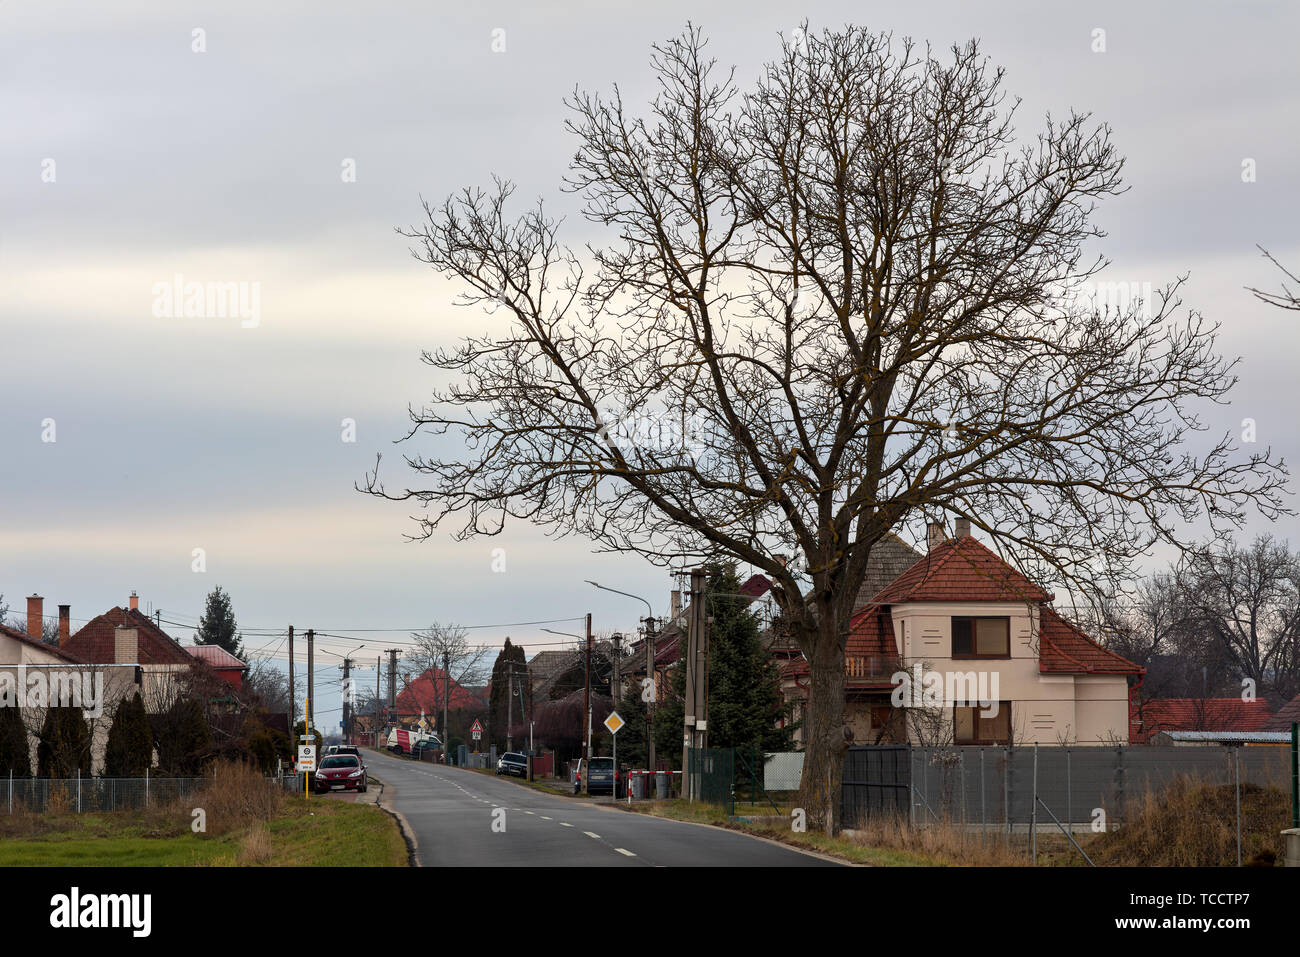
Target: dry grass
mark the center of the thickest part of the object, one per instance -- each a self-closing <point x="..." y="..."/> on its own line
<point x="1191" y="823"/>
<point x="238" y="796"/>
<point x="256" y="846"/>
<point x="941" y="842"/>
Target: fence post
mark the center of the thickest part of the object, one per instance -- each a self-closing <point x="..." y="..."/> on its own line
<point x="1006" y="797"/>
<point x="11" y="790"/>
<point x="962" y="755"/>
<point x="79" y="799"/>
<point x="1236" y="754"/>
<point x="146" y="787"/>
<point x="1119" y="783"/>
<point x="1069" y="794"/>
<point x="1033" y="810"/>
<point x="984" y="821"/>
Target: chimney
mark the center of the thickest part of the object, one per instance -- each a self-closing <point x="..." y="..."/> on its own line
<point x="963" y="528"/>
<point x="65" y="624"/>
<point x="135" y="601"/>
<point x="126" y="645"/>
<point x="677" y="603"/>
<point x="933" y="535"/>
<point x="35" y="603"/>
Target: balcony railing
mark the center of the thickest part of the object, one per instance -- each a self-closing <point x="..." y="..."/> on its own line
<point x="872" y="666"/>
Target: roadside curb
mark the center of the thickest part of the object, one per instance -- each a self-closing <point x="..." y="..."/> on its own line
<point x="408" y="832"/>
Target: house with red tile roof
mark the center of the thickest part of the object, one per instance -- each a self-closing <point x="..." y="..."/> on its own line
<point x="1286" y="716"/>
<point x="424" y="694"/>
<point x="127" y="636"/>
<point x="961" y="648"/>
<point x="1198" y="714"/>
<point x="222" y="663"/>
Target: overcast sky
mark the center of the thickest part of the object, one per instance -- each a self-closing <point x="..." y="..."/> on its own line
<point x="127" y="158"/>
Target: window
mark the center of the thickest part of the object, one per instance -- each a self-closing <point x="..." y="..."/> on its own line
<point x="981" y="637"/>
<point x="971" y="727"/>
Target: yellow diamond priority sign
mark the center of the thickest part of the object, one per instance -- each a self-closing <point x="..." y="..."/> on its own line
<point x="614" y="722"/>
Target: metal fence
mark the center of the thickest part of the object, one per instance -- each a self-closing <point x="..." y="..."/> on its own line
<point x="89" y="794"/>
<point x="83" y="795"/>
<point x="1019" y="788"/>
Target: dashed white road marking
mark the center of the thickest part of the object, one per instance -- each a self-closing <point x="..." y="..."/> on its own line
<point x="544" y="817"/>
<point x="565" y="824"/>
<point x="589" y="834"/>
<point x="624" y="852"/>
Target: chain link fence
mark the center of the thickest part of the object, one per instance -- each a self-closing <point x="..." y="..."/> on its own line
<point x="90" y="794"/>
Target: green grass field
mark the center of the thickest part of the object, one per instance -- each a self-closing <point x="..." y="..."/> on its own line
<point x="303" y="833"/>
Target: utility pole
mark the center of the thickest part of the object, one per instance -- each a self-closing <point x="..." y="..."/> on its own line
<point x="446" y="695"/>
<point x="379" y="676"/>
<point x="654" y="691"/>
<point x="311" y="677"/>
<point x="510" y="704"/>
<point x="347" y="708"/>
<point x="392" y="678"/>
<point x="695" y="678"/>
<point x="292" y="700"/>
<point x="586" y="708"/>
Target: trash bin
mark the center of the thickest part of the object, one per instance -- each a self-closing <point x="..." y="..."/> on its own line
<point x="662" y="781"/>
<point x="638" y="785"/>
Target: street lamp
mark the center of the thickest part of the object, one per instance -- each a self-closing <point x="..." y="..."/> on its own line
<point x="649" y="668"/>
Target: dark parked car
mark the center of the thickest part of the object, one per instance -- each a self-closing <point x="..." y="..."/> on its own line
<point x="600" y="776"/>
<point x="346" y="749"/>
<point x="340" y="772"/>
<point x="512" y="762"/>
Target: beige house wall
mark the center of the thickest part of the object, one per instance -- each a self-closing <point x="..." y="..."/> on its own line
<point x="1045" y="709"/>
<point x="118" y="683"/>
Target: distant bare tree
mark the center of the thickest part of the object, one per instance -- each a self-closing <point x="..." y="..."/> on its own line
<point x="838" y="304"/>
<point x="1246" y="599"/>
<point x="446" y="647"/>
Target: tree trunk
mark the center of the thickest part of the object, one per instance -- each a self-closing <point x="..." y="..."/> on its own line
<point x="824" y="741"/>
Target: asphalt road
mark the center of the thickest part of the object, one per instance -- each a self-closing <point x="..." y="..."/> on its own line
<point x="452" y="813"/>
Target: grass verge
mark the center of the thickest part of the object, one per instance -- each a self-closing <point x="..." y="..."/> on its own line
<point x="246" y="824"/>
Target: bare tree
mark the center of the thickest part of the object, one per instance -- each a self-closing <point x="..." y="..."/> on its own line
<point x="1246" y="600"/>
<point x="445" y="648"/>
<point x="841" y="303"/>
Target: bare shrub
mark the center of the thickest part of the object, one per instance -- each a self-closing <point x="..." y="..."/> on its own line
<point x="237" y="796"/>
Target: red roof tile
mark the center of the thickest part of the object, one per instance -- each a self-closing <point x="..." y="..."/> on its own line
<point x="94" y="643"/>
<point x="1064" y="649"/>
<point x="1202" y="714"/>
<point x="1286" y="715"/>
<point x="871" y="632"/>
<point x="961" y="569"/>
<point x="425" y="694"/>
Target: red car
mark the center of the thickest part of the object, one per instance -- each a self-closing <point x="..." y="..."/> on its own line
<point x="340" y="772"/>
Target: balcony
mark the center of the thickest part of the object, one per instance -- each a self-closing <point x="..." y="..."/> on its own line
<point x="872" y="666"/>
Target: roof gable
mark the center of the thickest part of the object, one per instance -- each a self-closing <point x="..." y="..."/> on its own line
<point x="94" y="642"/>
<point x="1286" y="715"/>
<point x="961" y="569"/>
